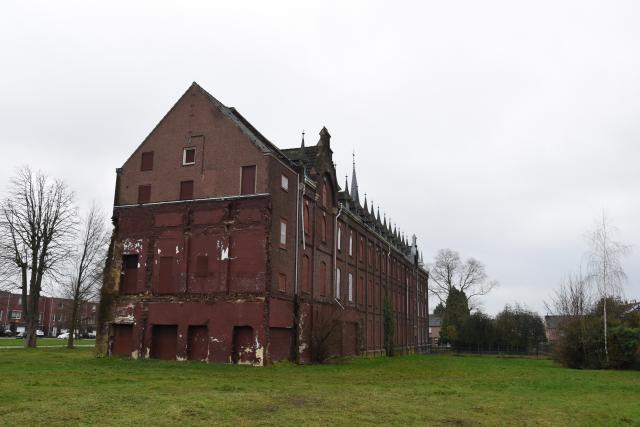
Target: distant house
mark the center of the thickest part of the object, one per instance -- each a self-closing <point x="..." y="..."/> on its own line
<point x="54" y="314"/>
<point x="435" y="323"/>
<point x="551" y="327"/>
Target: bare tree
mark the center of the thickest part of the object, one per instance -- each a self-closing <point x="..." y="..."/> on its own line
<point x="449" y="271"/>
<point x="605" y="265"/>
<point x="87" y="263"/>
<point x="573" y="298"/>
<point x="37" y="223"/>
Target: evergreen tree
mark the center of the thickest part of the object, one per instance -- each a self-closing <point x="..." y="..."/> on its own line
<point x="456" y="314"/>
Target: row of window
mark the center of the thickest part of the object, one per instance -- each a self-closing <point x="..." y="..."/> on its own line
<point x="188" y="158"/>
<point x="247" y="186"/>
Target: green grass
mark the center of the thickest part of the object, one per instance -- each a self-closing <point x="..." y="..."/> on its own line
<point x="69" y="387"/>
<point x="8" y="342"/>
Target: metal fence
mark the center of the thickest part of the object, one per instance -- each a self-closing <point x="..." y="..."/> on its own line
<point x="542" y="350"/>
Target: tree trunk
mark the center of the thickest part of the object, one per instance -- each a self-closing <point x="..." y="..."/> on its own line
<point x="30" y="340"/>
<point x="606" y="347"/>
<point x="74" y="321"/>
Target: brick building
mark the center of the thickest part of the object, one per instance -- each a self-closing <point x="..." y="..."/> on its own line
<point x="54" y="314"/>
<point x="229" y="249"/>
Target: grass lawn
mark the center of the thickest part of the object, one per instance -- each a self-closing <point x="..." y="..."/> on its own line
<point x="59" y="386"/>
<point x="8" y="342"/>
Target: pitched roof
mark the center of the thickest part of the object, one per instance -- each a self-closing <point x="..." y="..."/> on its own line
<point x="435" y="320"/>
<point x="247" y="128"/>
<point x="306" y="155"/>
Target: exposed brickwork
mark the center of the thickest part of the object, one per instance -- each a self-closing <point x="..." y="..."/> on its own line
<point x="208" y="278"/>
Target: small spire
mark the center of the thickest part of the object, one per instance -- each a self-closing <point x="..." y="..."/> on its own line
<point x="373" y="214"/>
<point x="346" y="184"/>
<point x="384" y="222"/>
<point x="365" y="200"/>
<point x="354" y="182"/>
<point x="378" y="215"/>
<point x="302" y="145"/>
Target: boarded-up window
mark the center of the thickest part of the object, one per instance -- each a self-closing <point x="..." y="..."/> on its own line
<point x="130" y="274"/>
<point x="202" y="265"/>
<point x="361" y="254"/>
<point x="323" y="228"/>
<point x="325" y="196"/>
<point x="323" y="278"/>
<point x="146" y="161"/>
<point x="360" y="290"/>
<point x="305" y="273"/>
<point x="307" y="218"/>
<point x="248" y="182"/>
<point x="283" y="232"/>
<point x="165" y="275"/>
<point x="164" y="342"/>
<point x="189" y="156"/>
<point x="144" y="193"/>
<point x="198" y="342"/>
<point x="186" y="190"/>
<point x="282" y="282"/>
<point x="122" y="340"/>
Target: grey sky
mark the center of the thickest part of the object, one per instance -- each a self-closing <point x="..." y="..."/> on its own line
<point x="499" y="129"/>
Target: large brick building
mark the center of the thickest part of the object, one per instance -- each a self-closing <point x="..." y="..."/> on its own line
<point x="228" y="249"/>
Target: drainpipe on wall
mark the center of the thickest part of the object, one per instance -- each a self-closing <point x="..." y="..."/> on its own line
<point x="335" y="255"/>
<point x="297" y="232"/>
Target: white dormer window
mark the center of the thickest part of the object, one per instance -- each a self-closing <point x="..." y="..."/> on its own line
<point x="284" y="183"/>
<point x="189" y="156"/>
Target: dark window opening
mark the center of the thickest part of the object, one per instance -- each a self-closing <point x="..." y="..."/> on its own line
<point x="282" y="282"/>
<point x="186" y="190"/>
<point x="307" y="219"/>
<point x="130" y="274"/>
<point x="144" y="194"/>
<point x="248" y="181"/>
<point x="146" y="161"/>
<point x="189" y="156"/>
<point x="202" y="265"/>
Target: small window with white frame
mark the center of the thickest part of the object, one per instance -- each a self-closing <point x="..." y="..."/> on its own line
<point x="350" y="243"/>
<point x="283" y="233"/>
<point x="189" y="156"/>
<point x="284" y="182"/>
<point x="338" y="278"/>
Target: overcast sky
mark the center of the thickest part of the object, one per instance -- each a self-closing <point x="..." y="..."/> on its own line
<point x="499" y="129"/>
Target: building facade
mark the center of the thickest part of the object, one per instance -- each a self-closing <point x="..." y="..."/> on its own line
<point x="54" y="314"/>
<point x="229" y="249"/>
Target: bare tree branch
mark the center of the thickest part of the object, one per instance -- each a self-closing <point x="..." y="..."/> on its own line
<point x="605" y="265"/>
<point x="37" y="224"/>
<point x="448" y="271"/>
<point x="87" y="263"/>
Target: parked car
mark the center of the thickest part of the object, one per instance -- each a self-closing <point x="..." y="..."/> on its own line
<point x="7" y="333"/>
<point x="39" y="334"/>
<point x="63" y="336"/>
<point x="92" y="334"/>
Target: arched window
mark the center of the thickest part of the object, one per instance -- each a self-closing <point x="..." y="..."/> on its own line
<point x="307" y="218"/>
<point x="324" y="193"/>
<point x="323" y="278"/>
<point x="323" y="228"/>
